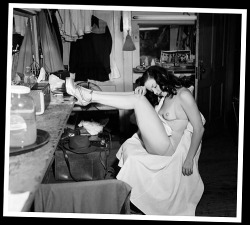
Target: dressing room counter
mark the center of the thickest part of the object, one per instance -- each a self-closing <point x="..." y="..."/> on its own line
<point x="26" y="171"/>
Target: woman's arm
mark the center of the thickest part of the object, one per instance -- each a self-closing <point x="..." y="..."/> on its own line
<point x="190" y="107"/>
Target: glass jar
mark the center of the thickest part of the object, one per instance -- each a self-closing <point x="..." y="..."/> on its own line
<point x="23" y="130"/>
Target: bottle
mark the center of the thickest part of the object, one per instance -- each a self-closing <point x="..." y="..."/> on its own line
<point x="27" y="74"/>
<point x="33" y="79"/>
<point x="23" y="130"/>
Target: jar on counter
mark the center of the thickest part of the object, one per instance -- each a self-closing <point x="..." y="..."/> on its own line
<point x="23" y="131"/>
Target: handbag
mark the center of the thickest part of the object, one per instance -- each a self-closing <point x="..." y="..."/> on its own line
<point x="76" y="159"/>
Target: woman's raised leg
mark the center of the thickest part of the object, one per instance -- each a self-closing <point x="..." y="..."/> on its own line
<point x="151" y="128"/>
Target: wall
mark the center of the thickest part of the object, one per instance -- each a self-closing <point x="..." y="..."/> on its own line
<point x="121" y="61"/>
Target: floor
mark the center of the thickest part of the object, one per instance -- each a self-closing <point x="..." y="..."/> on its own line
<point x="218" y="169"/>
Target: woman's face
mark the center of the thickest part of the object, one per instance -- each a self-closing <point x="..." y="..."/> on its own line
<point x="152" y="86"/>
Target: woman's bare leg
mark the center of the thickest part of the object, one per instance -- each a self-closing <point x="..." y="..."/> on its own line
<point x="152" y="130"/>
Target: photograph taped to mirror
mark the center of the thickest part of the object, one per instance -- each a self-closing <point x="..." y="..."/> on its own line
<point x="175" y="57"/>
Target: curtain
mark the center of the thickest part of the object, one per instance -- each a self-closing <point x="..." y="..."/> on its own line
<point x="25" y="55"/>
<point x="52" y="60"/>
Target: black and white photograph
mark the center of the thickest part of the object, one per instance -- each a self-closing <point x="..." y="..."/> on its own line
<point x="124" y="112"/>
<point x="177" y="58"/>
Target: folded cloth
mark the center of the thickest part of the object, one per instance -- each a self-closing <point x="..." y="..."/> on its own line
<point x="103" y="197"/>
<point x="42" y="75"/>
<point x="93" y="127"/>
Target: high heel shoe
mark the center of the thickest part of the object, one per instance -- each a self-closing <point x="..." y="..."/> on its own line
<point x="78" y="92"/>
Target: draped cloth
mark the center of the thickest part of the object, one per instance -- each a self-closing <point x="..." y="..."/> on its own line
<point x="158" y="185"/>
<point x="109" y="18"/>
<point x="109" y="196"/>
<point x="90" y="55"/>
<point x="73" y="24"/>
<point x="52" y="60"/>
<point x="25" y="57"/>
<point x="20" y="23"/>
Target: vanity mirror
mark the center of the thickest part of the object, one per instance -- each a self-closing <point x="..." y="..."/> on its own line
<point x="165" y="39"/>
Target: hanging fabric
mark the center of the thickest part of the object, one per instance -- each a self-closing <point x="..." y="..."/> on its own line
<point x="52" y="60"/>
<point x="90" y="55"/>
<point x="73" y="24"/>
<point x="98" y="25"/>
<point x="108" y="18"/>
<point x="20" y="23"/>
<point x="25" y="55"/>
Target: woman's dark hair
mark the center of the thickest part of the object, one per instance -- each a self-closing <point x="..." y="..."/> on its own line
<point x="167" y="81"/>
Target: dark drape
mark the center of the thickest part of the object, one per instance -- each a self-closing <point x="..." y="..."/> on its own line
<point x="90" y="56"/>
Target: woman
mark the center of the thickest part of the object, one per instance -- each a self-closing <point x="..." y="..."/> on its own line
<point x="156" y="160"/>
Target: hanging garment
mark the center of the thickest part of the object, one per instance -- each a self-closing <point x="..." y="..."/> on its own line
<point x="73" y="24"/>
<point x="98" y="25"/>
<point x="158" y="185"/>
<point x="115" y="73"/>
<point x="20" y="23"/>
<point x="25" y="57"/>
<point x="52" y="60"/>
<point x="108" y="17"/>
<point x="90" y="57"/>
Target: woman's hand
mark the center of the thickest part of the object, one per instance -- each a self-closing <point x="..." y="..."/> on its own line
<point x="187" y="168"/>
<point x="141" y="90"/>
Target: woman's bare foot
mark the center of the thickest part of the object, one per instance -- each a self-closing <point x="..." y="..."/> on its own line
<point x="83" y="95"/>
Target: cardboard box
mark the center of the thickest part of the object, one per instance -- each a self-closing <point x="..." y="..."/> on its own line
<point x="40" y="92"/>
